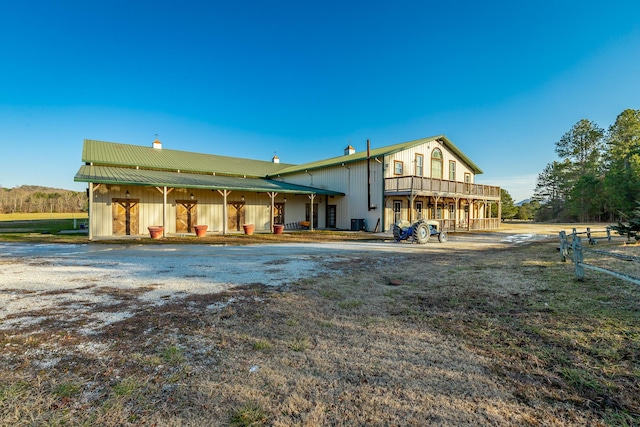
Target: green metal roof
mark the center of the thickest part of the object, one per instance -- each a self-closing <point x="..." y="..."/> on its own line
<point x="145" y="177"/>
<point x="115" y="154"/>
<point x="377" y="152"/>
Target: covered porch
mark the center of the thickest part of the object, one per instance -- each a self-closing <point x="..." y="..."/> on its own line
<point x="457" y="206"/>
<point x="124" y="201"/>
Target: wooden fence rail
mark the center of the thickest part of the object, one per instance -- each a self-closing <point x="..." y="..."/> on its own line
<point x="578" y="255"/>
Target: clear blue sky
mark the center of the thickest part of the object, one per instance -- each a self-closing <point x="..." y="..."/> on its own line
<point x="504" y="80"/>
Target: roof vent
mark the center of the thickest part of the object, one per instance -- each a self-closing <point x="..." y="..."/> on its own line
<point x="157" y="144"/>
<point x="275" y="159"/>
<point x="349" y="150"/>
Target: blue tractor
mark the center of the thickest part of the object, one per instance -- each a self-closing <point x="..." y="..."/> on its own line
<point x="419" y="232"/>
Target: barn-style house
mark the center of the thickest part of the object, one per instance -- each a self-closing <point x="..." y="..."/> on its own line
<point x="133" y="187"/>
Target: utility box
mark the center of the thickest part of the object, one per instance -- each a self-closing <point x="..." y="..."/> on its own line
<point x="358" y="224"/>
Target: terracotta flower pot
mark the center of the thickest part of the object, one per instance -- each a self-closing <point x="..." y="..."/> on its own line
<point x="156" y="231"/>
<point x="278" y="228"/>
<point x="248" y="228"/>
<point x="201" y="230"/>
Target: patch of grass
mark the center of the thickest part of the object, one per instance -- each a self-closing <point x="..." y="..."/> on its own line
<point x="13" y="391"/>
<point x="291" y="322"/>
<point x="580" y="378"/>
<point x="172" y="355"/>
<point x="350" y="304"/>
<point x="331" y="294"/>
<point x="299" y="344"/>
<point x="249" y="415"/>
<point x="325" y="324"/>
<point x="127" y="387"/>
<point x="66" y="390"/>
<point x="262" y="344"/>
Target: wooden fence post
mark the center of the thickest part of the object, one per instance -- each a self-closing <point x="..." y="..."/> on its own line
<point x="563" y="246"/>
<point x="578" y="257"/>
<point x="609" y="234"/>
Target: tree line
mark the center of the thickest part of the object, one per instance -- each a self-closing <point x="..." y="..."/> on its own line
<point x="597" y="176"/>
<point x="36" y="199"/>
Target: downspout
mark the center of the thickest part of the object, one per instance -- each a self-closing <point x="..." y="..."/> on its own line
<point x="348" y="187"/>
<point x="384" y="200"/>
<point x="368" y="175"/>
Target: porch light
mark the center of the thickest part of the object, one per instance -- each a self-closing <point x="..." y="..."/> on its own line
<point x="127" y="194"/>
<point x="285" y="199"/>
<point x="242" y="197"/>
<point x="191" y="196"/>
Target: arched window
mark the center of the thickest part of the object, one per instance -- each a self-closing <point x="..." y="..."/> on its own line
<point x="436" y="164"/>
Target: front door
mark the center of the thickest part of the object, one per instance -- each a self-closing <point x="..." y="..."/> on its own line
<point x="186" y="216"/>
<point x="418" y="210"/>
<point x="125" y="216"/>
<point x="235" y="215"/>
<point x="397" y="211"/>
<point x="332" y="216"/>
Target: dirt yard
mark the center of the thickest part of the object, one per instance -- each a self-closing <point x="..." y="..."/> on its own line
<point x="486" y="329"/>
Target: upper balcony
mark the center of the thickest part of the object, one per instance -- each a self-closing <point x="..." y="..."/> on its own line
<point x="421" y="186"/>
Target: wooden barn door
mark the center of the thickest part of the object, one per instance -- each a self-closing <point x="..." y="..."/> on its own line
<point x="186" y="216"/>
<point x="235" y="212"/>
<point x="278" y="213"/>
<point x="125" y="216"/>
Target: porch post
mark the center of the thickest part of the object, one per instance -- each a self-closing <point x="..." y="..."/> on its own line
<point x="273" y="206"/>
<point x="224" y="194"/>
<point x="311" y="197"/>
<point x="456" y="214"/>
<point x="412" y="199"/>
<point x="164" y="212"/>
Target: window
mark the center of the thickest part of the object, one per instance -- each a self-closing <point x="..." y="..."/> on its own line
<point x="467" y="178"/>
<point x="419" y="164"/>
<point x="452" y="170"/>
<point x="397" y="167"/>
<point x="436" y="164"/>
<point x="419" y="210"/>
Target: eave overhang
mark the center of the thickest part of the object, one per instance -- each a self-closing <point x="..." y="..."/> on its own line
<point x="152" y="178"/>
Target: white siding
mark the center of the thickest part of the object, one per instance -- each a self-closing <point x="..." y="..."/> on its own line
<point x="350" y="179"/>
<point x="407" y="157"/>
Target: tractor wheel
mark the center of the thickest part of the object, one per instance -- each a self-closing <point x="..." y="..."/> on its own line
<point x="421" y="233"/>
<point x="397" y="231"/>
<point x="442" y="237"/>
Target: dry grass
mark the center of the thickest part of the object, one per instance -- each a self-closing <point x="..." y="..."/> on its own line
<point x="468" y="337"/>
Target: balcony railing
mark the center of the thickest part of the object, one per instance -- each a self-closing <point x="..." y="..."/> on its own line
<point x="429" y="186"/>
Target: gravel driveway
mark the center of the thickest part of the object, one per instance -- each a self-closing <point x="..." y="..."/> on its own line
<point x="107" y="283"/>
